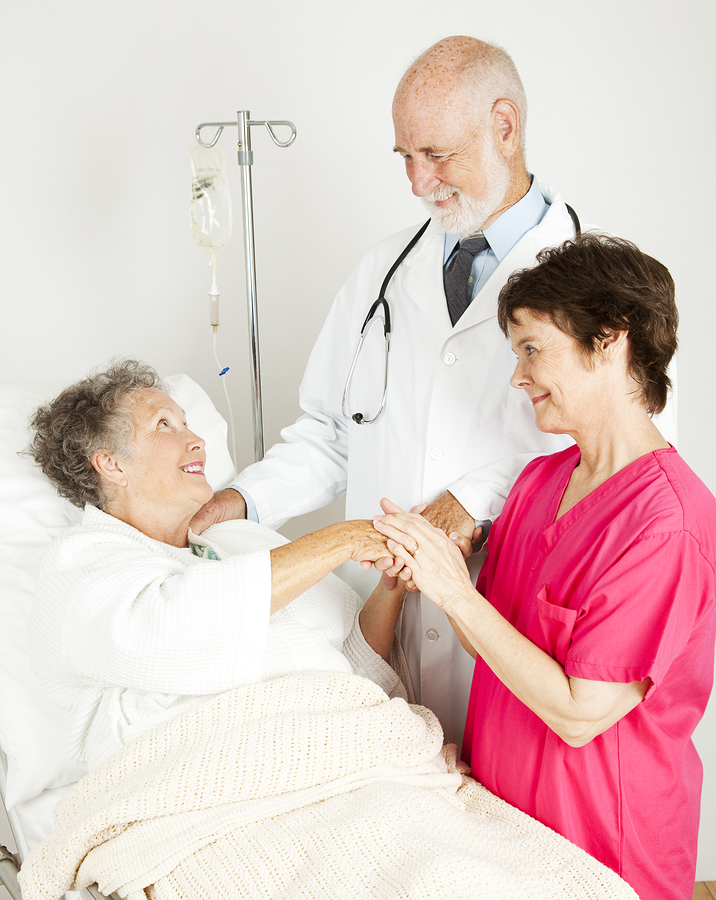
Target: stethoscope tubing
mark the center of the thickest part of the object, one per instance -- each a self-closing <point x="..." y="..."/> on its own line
<point x="358" y="417"/>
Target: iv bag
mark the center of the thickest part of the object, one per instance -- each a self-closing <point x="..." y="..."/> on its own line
<point x="210" y="197"/>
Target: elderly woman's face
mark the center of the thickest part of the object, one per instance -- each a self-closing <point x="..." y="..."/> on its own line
<point x="568" y="390"/>
<point x="167" y="464"/>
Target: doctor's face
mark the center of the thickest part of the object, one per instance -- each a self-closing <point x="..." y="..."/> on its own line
<point x="452" y="161"/>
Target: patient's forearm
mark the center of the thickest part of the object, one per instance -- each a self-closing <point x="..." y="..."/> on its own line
<point x="297" y="566"/>
<point x="379" y="617"/>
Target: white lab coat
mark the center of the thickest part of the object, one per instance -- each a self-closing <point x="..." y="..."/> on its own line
<point x="451" y="420"/>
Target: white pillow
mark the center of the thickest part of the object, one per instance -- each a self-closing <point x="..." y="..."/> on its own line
<point x="33" y="732"/>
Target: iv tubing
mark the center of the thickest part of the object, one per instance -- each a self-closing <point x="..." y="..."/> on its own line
<point x="228" y="402"/>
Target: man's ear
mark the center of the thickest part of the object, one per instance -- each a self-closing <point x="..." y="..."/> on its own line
<point x="109" y="468"/>
<point x="507" y="127"/>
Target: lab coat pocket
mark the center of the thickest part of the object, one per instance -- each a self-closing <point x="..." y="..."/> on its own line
<point x="552" y="625"/>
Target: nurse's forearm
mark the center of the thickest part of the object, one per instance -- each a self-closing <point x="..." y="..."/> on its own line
<point x="465" y="643"/>
<point x="574" y="708"/>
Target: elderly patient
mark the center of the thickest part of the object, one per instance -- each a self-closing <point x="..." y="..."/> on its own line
<point x="136" y="619"/>
<point x="594" y="615"/>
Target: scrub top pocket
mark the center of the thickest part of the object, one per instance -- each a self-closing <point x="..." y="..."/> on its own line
<point x="552" y="626"/>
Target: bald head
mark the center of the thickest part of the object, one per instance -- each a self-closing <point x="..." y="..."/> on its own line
<point x="464" y="70"/>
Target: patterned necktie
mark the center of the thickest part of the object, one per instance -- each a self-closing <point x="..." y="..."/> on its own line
<point x="457" y="275"/>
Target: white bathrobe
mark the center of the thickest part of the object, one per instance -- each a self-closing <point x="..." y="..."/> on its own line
<point x="127" y="632"/>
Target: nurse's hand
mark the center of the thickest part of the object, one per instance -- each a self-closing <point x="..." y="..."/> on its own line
<point x="388" y="563"/>
<point x="433" y="562"/>
<point x="466" y="545"/>
<point x="224" y="505"/>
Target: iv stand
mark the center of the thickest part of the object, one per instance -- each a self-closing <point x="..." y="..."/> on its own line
<point x="246" y="159"/>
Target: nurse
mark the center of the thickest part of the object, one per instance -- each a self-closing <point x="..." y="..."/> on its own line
<point x="594" y="617"/>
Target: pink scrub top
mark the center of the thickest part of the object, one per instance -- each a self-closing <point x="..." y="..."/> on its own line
<point x="618" y="589"/>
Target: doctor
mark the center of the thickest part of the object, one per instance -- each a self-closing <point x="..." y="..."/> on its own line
<point x="452" y="433"/>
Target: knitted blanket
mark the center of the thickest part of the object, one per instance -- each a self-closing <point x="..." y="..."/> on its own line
<point x="313" y="785"/>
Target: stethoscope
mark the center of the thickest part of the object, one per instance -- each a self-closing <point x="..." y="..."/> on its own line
<point x="373" y="316"/>
<point x="358" y="417"/>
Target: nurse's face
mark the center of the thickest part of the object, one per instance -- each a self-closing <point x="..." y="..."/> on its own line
<point x="567" y="387"/>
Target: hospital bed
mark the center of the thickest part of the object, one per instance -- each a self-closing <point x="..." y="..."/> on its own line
<point x="35" y="770"/>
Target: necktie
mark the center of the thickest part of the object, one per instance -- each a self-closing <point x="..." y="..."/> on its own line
<point x="456" y="275"/>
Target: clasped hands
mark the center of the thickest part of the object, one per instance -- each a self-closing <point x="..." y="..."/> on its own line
<point x="429" y="545"/>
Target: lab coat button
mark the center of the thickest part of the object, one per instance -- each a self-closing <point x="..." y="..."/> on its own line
<point x="449" y="359"/>
<point x="432" y="635"/>
<point x="436" y="453"/>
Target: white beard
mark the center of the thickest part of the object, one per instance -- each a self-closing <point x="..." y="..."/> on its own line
<point x="466" y="215"/>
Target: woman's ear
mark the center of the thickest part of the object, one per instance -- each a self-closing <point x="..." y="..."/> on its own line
<point x="109" y="468"/>
<point x="613" y="344"/>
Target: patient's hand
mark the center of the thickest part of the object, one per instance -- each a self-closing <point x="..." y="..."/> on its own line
<point x="224" y="505"/>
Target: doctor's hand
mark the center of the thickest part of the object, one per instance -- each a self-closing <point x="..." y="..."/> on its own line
<point x="224" y="505"/>
<point x="449" y="515"/>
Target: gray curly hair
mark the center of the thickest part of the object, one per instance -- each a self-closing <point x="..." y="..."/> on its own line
<point x="92" y="414"/>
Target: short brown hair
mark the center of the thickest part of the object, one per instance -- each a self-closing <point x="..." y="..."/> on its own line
<point x="593" y="285"/>
<point x="92" y="414"/>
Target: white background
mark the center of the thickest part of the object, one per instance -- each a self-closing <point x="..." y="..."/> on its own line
<point x="99" y="104"/>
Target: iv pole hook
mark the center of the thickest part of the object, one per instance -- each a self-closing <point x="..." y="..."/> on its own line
<point x="246" y="159"/>
<point x="220" y="126"/>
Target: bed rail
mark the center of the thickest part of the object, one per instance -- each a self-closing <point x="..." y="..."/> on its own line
<point x="9" y="867"/>
<point x="96" y="894"/>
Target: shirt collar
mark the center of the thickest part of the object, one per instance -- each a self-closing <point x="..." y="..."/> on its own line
<point x="512" y="225"/>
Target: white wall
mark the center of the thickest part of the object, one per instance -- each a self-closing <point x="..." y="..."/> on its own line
<point x="100" y="102"/>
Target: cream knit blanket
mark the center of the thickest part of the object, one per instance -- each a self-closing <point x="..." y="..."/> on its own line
<point x="313" y="785"/>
